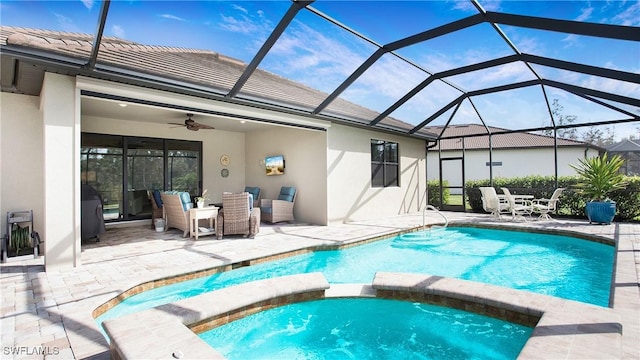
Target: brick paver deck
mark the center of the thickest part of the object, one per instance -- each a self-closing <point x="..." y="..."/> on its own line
<point x="51" y="312"/>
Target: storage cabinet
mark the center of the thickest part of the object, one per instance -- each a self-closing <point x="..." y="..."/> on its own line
<point x="20" y="238"/>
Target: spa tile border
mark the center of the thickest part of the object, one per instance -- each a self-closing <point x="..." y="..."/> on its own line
<point x="562" y="328"/>
<point x="150" y="334"/>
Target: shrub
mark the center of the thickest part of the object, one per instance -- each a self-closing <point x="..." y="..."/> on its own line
<point x="571" y="203"/>
<point x="433" y="189"/>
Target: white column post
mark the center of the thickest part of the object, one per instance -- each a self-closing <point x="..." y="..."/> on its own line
<point x="60" y="106"/>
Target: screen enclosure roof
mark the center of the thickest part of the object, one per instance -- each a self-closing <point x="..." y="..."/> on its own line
<point x="411" y="67"/>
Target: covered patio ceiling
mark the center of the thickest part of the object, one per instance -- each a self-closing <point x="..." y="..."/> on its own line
<point x="406" y="67"/>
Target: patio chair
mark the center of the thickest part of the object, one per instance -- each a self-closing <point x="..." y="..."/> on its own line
<point x="281" y="209"/>
<point x="156" y="205"/>
<point x="518" y="206"/>
<point x="255" y="191"/>
<point x="238" y="216"/>
<point x="175" y="209"/>
<point x="491" y="203"/>
<point x="545" y="206"/>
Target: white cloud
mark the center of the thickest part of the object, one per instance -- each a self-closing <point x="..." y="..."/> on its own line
<point x="65" y="23"/>
<point x="571" y="40"/>
<point x="87" y="3"/>
<point x="172" y="17"/>
<point x="240" y="24"/>
<point x="585" y="14"/>
<point x="303" y="47"/>
<point x="240" y="8"/>
<point x="467" y="6"/>
<point x="630" y="16"/>
<point x="118" y="31"/>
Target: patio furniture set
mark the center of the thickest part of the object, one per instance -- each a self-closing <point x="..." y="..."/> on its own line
<point x="239" y="213"/>
<point x="519" y="206"/>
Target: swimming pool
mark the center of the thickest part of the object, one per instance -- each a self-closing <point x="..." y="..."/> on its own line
<point x="363" y="329"/>
<point x="555" y="265"/>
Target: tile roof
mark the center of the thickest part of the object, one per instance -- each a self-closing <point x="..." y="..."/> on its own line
<point x="206" y="68"/>
<point x="626" y="145"/>
<point x="499" y="141"/>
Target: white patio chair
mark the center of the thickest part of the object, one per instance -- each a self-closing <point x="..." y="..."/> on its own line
<point x="491" y="203"/>
<point x="519" y="207"/>
<point x="545" y="206"/>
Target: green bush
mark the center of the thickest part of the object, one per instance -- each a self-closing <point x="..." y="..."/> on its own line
<point x="571" y="203"/>
<point x="628" y="200"/>
<point x="433" y="189"/>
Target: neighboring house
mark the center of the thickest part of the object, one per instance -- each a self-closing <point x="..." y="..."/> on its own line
<point x="50" y="106"/>
<point x="513" y="155"/>
<point x="629" y="150"/>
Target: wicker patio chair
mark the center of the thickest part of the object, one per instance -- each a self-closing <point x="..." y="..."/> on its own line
<point x="256" y="192"/>
<point x="176" y="211"/>
<point x="274" y="211"/>
<point x="238" y="216"/>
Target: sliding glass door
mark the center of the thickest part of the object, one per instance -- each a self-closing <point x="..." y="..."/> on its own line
<point x="183" y="166"/>
<point x="145" y="172"/>
<point x="111" y="164"/>
<point x="101" y="167"/>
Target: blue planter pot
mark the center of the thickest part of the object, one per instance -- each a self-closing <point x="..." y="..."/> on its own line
<point x="600" y="212"/>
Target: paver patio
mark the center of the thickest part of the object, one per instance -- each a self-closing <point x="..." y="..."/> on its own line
<point x="51" y="312"/>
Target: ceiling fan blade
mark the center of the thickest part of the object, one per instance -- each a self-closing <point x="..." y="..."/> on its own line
<point x="204" y="126"/>
<point x="175" y="124"/>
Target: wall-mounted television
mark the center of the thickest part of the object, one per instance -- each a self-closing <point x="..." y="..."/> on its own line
<point x="274" y="165"/>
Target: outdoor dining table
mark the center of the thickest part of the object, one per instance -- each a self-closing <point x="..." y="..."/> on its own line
<point x="516" y="196"/>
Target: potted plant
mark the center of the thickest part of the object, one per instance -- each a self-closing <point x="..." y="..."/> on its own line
<point x="201" y="199"/>
<point x="599" y="176"/>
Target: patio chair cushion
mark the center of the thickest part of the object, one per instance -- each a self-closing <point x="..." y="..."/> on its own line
<point x="157" y="198"/>
<point x="185" y="198"/>
<point x="287" y="193"/>
<point x="254" y="191"/>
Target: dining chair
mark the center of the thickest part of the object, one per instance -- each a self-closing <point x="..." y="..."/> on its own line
<point x="518" y="206"/>
<point x="545" y="206"/>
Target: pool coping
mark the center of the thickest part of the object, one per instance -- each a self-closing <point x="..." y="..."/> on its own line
<point x="148" y="285"/>
<point x="59" y="303"/>
<point x="563" y="328"/>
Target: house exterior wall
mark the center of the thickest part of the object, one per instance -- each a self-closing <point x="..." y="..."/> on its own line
<point x="515" y="163"/>
<point x="350" y="195"/>
<point x="331" y="169"/>
<point x="304" y="154"/>
<point x="21" y="159"/>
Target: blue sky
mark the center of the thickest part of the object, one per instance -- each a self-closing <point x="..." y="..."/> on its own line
<point x="322" y="55"/>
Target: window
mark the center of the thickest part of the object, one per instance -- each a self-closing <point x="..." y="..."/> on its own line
<point x="124" y="169"/>
<point x="384" y="163"/>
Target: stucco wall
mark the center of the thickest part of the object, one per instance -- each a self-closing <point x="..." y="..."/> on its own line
<point x="350" y="195"/>
<point x="21" y="158"/>
<point x="305" y="157"/>
<point x="214" y="144"/>
<point x="515" y="163"/>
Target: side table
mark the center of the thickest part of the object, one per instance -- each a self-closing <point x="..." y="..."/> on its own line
<point x="196" y="214"/>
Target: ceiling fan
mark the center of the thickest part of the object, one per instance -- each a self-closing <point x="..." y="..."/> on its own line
<point x="190" y="124"/>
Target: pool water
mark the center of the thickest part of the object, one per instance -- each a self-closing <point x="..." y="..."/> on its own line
<point x="367" y="329"/>
<point x="560" y="266"/>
